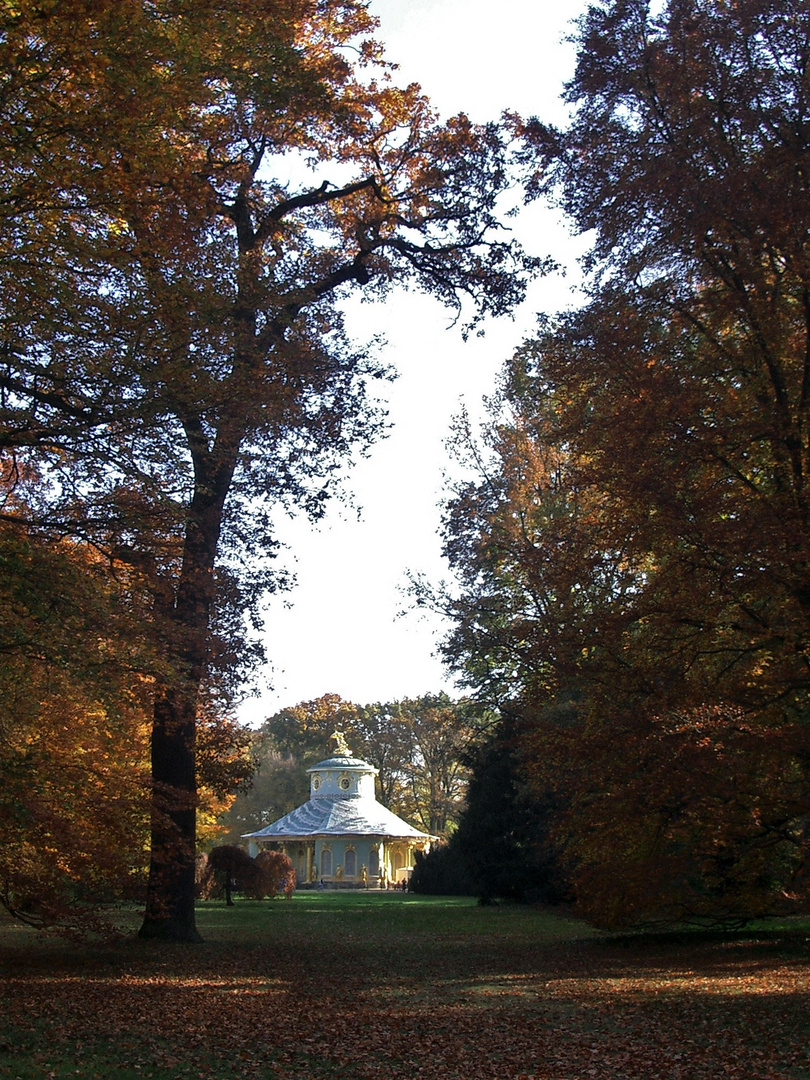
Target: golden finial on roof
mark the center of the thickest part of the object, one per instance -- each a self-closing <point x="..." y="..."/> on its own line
<point x="338" y="746"/>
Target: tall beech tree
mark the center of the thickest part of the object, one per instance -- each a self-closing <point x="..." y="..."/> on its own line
<point x="190" y="190"/>
<point x="634" y="562"/>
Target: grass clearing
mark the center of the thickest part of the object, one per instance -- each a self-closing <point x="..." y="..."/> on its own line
<point x="364" y="986"/>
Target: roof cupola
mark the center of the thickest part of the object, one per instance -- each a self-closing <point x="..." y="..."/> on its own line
<point x="341" y="776"/>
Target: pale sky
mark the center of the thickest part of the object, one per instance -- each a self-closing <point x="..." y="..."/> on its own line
<point x="341" y="629"/>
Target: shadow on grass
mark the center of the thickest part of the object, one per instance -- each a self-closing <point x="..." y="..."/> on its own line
<point x="362" y="984"/>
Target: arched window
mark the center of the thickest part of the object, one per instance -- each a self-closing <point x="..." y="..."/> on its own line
<point x="350" y="863"/>
<point x="374" y="861"/>
<point x="326" y="863"/>
<point x="398" y="860"/>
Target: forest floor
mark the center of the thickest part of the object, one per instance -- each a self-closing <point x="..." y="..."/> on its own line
<point x="387" y="987"/>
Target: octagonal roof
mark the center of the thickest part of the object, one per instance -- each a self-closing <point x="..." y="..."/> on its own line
<point x="338" y="817"/>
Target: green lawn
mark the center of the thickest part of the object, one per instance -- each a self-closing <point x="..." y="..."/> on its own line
<point x="371" y="986"/>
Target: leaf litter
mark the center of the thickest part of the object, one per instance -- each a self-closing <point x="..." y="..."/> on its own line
<point x="333" y="1004"/>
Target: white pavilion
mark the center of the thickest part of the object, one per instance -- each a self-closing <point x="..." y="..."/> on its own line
<point x="343" y="837"/>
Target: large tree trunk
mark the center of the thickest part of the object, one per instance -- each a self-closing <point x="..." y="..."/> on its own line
<point x="171" y="888"/>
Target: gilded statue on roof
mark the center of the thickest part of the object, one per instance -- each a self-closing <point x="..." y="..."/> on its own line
<point x="338" y="745"/>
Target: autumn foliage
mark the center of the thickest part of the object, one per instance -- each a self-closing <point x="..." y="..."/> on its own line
<point x="228" y="868"/>
<point x="634" y="553"/>
<point x="191" y="189"/>
<point x="276" y="874"/>
<point x="74" y="699"/>
<point x="77" y="675"/>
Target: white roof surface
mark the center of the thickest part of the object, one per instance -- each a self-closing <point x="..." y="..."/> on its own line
<point x="339" y="817"/>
